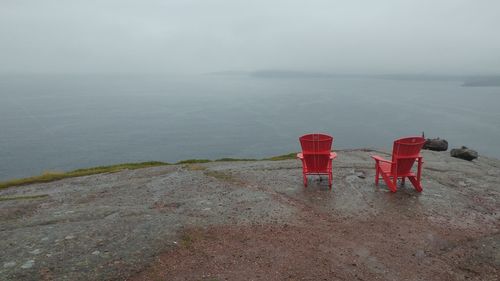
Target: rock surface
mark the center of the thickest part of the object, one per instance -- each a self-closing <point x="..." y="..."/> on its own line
<point x="436" y="144"/>
<point x="464" y="153"/>
<point x="255" y="220"/>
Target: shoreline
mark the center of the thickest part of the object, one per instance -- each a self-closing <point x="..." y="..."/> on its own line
<point x="52" y="176"/>
<point x="55" y="176"/>
<point x="59" y="175"/>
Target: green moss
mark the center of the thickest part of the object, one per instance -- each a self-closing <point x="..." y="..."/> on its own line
<point x="235" y="159"/>
<point x="219" y="175"/>
<point x="194" y="161"/>
<point x="119" y="167"/>
<point x="195" y="167"/>
<point x="228" y="159"/>
<point x="186" y="240"/>
<point x="53" y="176"/>
<point x="288" y="156"/>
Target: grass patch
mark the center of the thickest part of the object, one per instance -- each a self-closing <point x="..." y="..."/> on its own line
<point x="195" y="167"/>
<point x="194" y="161"/>
<point x="191" y="236"/>
<point x="219" y="175"/>
<point x="211" y="173"/>
<point x="288" y="156"/>
<point x="120" y="167"/>
<point x="188" y="239"/>
<point x="53" y="176"/>
<point x="235" y="159"/>
<point x="27" y="197"/>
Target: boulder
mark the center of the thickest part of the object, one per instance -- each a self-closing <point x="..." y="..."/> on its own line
<point x="464" y="153"/>
<point x="436" y="144"/>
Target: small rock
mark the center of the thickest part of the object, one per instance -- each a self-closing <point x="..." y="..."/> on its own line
<point x="36" y="252"/>
<point x="28" y="264"/>
<point x="464" y="153"/>
<point x="9" y="264"/>
<point x="361" y="175"/>
<point x="436" y="144"/>
<point x="69" y="237"/>
<point x="420" y="254"/>
<point x="96" y="253"/>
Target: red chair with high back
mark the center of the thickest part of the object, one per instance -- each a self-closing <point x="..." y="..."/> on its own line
<point x="404" y="154"/>
<point x="316" y="156"/>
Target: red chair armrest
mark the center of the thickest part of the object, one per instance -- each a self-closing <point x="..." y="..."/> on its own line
<point x="379" y="158"/>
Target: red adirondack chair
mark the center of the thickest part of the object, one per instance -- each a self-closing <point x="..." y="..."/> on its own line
<point x="316" y="156"/>
<point x="404" y="154"/>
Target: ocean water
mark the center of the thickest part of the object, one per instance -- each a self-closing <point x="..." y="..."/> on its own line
<point x="53" y="123"/>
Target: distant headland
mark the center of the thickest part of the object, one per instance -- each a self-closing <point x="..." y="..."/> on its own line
<point x="468" y="80"/>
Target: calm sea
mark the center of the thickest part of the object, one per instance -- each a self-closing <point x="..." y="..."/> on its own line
<point x="57" y="123"/>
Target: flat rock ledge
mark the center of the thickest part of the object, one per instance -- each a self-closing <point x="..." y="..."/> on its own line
<point x="254" y="220"/>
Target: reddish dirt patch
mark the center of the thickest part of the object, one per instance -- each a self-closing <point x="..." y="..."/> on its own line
<point x="376" y="250"/>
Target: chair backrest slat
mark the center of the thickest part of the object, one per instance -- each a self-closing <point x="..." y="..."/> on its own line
<point x="316" y="149"/>
<point x="316" y="143"/>
<point x="404" y="153"/>
<point x="317" y="162"/>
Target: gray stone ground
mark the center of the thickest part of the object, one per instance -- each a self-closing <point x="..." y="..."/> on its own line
<point x="111" y="226"/>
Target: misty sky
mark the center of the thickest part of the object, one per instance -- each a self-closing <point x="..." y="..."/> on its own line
<point x="187" y="36"/>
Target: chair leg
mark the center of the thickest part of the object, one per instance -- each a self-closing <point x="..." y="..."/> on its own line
<point x="419" y="170"/>
<point x="330" y="176"/>
<point x="416" y="183"/>
<point x="403" y="181"/>
<point x="389" y="182"/>
<point x="305" y="179"/>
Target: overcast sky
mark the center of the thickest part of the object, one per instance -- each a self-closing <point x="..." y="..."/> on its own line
<point x="188" y="36"/>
